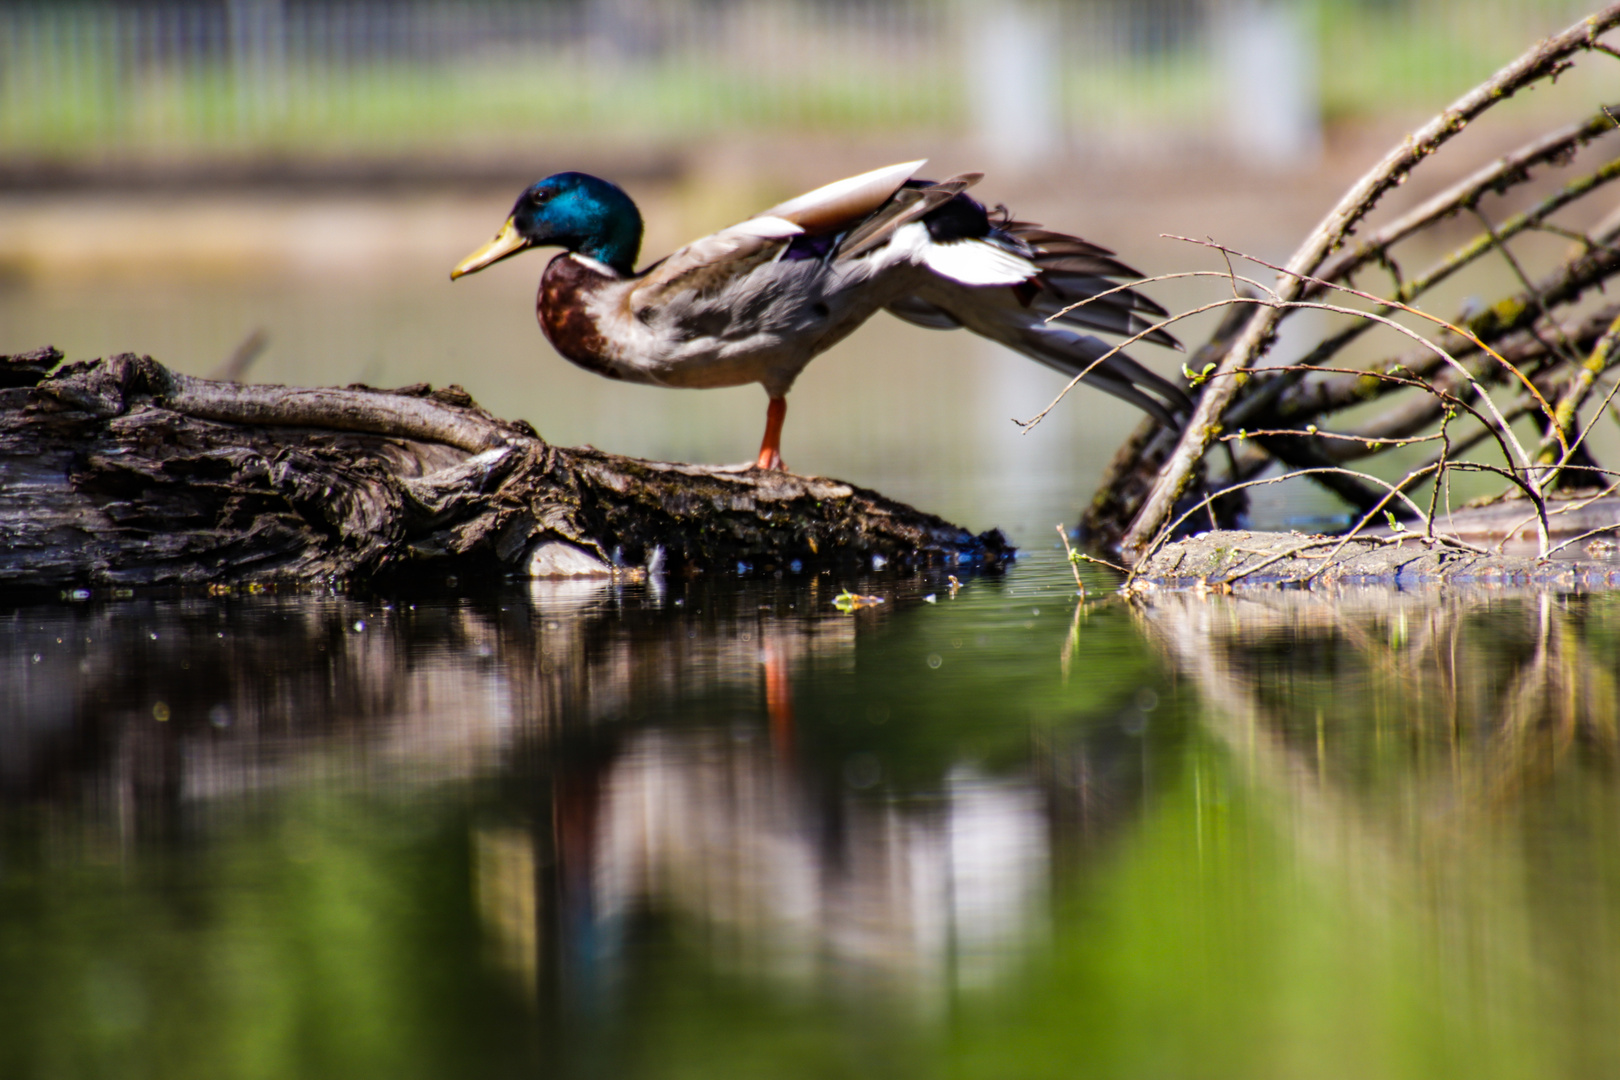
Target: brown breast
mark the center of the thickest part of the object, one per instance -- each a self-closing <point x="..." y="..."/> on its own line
<point x="562" y="307"/>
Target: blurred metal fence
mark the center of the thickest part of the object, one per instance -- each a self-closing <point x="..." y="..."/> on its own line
<point x="203" y="76"/>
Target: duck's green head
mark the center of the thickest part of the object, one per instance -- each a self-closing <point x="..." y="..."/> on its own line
<point x="570" y="210"/>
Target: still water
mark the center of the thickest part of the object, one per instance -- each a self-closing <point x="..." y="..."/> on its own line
<point x="722" y="829"/>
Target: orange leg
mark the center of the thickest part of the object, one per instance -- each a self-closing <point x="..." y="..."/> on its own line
<point x="770" y="450"/>
<point x="779" y="703"/>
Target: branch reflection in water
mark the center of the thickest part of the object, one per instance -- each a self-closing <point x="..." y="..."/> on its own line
<point x="1462" y="705"/>
<point x="1450" y="758"/>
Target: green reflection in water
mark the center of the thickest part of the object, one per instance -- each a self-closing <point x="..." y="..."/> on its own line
<point x="604" y="834"/>
<point x="331" y="938"/>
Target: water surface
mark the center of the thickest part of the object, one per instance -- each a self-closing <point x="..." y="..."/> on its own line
<point x="720" y="828"/>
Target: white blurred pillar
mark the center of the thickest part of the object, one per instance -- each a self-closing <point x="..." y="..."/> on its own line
<point x="1010" y="48"/>
<point x="1268" y="55"/>
<point x="258" y="36"/>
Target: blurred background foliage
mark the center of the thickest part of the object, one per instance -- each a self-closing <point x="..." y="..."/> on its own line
<point x="219" y="77"/>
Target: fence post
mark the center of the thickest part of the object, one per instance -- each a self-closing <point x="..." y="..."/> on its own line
<point x="258" y="36"/>
<point x="1268" y="57"/>
<point x="1012" y="84"/>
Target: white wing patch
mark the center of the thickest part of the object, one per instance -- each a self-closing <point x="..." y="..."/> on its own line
<point x="975" y="262"/>
<point x="767" y="226"/>
<point x="845" y="201"/>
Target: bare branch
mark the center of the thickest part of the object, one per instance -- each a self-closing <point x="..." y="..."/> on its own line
<point x="1498" y="176"/>
<point x="1542" y="61"/>
<point x="1351" y="387"/>
<point x="1574" y="395"/>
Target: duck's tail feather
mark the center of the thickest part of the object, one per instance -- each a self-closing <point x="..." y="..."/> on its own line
<point x="1119" y="375"/>
<point x="998" y="314"/>
<point x="1076" y="272"/>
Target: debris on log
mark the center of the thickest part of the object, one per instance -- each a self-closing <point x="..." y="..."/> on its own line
<point x="120" y="472"/>
<point x="1232" y="559"/>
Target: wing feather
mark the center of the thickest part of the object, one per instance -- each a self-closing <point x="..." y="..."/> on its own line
<point x="709" y="262"/>
<point x="977" y="262"/>
<point x="828" y="208"/>
<point x="907" y="206"/>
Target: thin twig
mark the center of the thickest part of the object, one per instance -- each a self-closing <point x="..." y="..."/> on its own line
<point x="1574" y="395"/>
<point x="1440" y="469"/>
<point x="1074" y="564"/>
<point x="1378" y="317"/>
<point x="1327" y="560"/>
<point x="1171" y="528"/>
<point x="1312" y="432"/>
<point x="1026" y="425"/>
<point x="1563" y="463"/>
<point x="1428" y="521"/>
<point x="1332" y="395"/>
<point x="1499" y="242"/>
<point x="1531" y="485"/>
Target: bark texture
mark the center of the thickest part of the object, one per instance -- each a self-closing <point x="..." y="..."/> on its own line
<point x="120" y="472"/>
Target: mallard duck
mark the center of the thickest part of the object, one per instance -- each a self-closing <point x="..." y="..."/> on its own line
<point x="757" y="301"/>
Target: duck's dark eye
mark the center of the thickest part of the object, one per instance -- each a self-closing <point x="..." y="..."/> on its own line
<point x="538" y="198"/>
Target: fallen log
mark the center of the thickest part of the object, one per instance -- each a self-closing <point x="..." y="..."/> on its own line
<point x="120" y="472"/>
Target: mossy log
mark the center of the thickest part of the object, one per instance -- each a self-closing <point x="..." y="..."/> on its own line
<point x="120" y="472"/>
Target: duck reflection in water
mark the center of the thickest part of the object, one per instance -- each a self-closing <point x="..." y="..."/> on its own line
<point x="654" y="763"/>
<point x="786" y="871"/>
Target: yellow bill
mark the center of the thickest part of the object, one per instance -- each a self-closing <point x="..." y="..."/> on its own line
<point x="507" y="242"/>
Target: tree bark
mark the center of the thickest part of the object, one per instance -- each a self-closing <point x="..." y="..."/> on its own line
<point x="121" y="472"/>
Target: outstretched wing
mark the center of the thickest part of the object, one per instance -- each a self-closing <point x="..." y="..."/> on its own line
<point x="1032" y="289"/>
<point x="709" y="263"/>
<point x="908" y="205"/>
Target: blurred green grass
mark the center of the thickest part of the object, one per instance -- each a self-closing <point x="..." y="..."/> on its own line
<point x="82" y="80"/>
